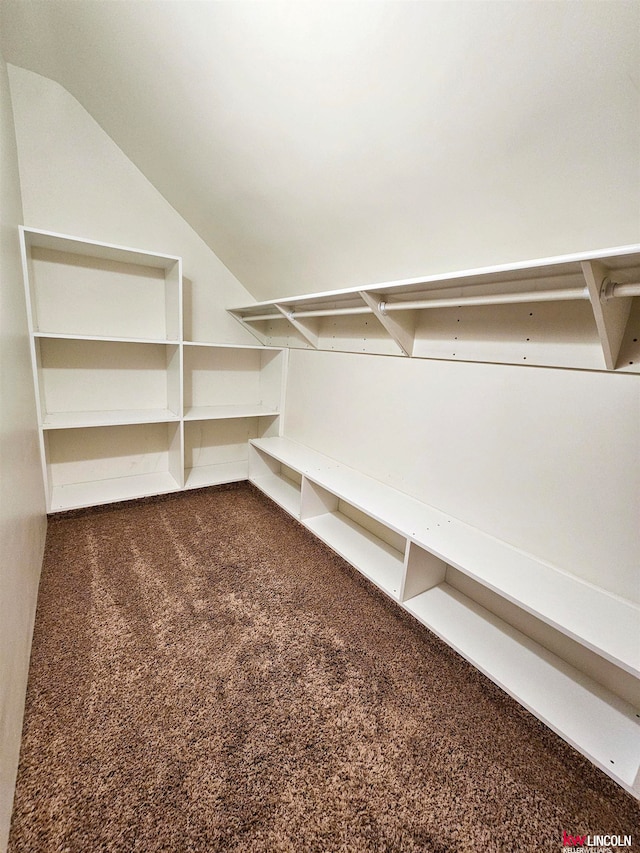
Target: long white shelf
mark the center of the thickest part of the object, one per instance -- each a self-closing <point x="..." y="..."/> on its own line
<point x="209" y="413"/>
<point x="533" y="585"/>
<point x="522" y="271"/>
<point x="597" y="724"/>
<point x="376" y="560"/>
<point x="75" y="420"/>
<point x="215" y="345"/>
<point x="76" y="495"/>
<point x="463" y="315"/>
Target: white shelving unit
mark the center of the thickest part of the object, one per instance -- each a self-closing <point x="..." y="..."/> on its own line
<point x="430" y="563"/>
<point x="126" y="407"/>
<point x="579" y="311"/>
<point x="231" y="395"/>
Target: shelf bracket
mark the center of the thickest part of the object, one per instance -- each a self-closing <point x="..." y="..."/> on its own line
<point x="399" y="328"/>
<point x="248" y="326"/>
<point x="310" y="336"/>
<point x="611" y="315"/>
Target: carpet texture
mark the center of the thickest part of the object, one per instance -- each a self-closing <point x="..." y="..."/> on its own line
<point x="206" y="676"/>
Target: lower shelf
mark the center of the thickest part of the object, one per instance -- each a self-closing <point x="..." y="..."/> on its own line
<point x="76" y="495"/>
<point x="282" y="490"/>
<point x="214" y="475"/>
<point x="376" y="560"/>
<point x="599" y="725"/>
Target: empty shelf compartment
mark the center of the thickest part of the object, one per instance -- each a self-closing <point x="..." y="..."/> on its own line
<point x="374" y="549"/>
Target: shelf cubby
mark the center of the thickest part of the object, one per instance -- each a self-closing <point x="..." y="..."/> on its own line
<point x="112" y="463"/>
<point x="277" y="480"/>
<point x="375" y="550"/>
<point x="217" y="450"/>
<point x="93" y="382"/>
<point x="80" y="287"/>
<point x="231" y="381"/>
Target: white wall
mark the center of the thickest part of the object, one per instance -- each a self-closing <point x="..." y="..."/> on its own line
<point x="75" y="180"/>
<point x="548" y="460"/>
<point x="22" y="511"/>
<point x="321" y="145"/>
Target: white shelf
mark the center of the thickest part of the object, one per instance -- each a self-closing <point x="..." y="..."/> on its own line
<point x="60" y="336"/>
<point x="603" y="728"/>
<point x="218" y="448"/>
<point x="207" y="413"/>
<point x="92" y="249"/>
<point x="100" y="464"/>
<point x="214" y="475"/>
<point x="376" y="560"/>
<point x="295" y="455"/>
<point x="559" y="311"/>
<point x="77" y="495"/>
<point x="227" y="382"/>
<point x="536" y="587"/>
<point x="113" y="379"/>
<point x="75" y="420"/>
<point x="281" y="490"/>
<point x="215" y="345"/>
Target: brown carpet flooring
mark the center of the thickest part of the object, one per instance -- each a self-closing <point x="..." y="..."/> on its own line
<point x="206" y="676"/>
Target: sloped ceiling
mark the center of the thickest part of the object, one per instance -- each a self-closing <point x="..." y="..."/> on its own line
<point x="318" y="145"/>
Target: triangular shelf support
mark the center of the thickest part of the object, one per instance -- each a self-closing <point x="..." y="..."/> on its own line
<point x="611" y="315"/>
<point x="307" y="333"/>
<point x="399" y="329"/>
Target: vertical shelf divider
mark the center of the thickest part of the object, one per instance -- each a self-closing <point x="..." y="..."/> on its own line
<point x="316" y="500"/>
<point x="422" y="571"/>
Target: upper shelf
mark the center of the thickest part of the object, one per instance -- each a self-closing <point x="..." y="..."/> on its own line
<point x="86" y="289"/>
<point x="567" y="311"/>
<point x="37" y="238"/>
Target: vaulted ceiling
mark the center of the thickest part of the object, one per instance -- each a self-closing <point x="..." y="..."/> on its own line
<point x="317" y="145"/>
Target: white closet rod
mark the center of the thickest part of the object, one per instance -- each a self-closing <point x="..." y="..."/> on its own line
<point x="610" y="291"/>
<point x="328" y="312"/>
<point x="560" y="295"/>
<point x="493" y="299"/>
